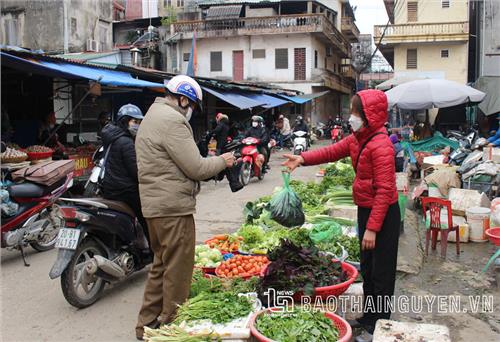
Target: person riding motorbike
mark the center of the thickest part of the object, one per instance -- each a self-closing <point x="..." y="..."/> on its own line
<point x="120" y="182"/>
<point x="300" y="125"/>
<point x="258" y="131"/>
<point x="285" y="130"/>
<point x="221" y="132"/>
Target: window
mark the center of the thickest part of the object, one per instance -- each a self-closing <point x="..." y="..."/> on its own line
<point x="11" y="31"/>
<point x="73" y="26"/>
<point x="445" y="53"/>
<point x="326" y="64"/>
<point x="216" y="61"/>
<point x="103" y="37"/>
<point x="281" y="58"/>
<point x="180" y="3"/>
<point x="316" y="59"/>
<point x="258" y="53"/>
<point x="411" y="59"/>
<point x="167" y="3"/>
<point x="412" y="11"/>
<point x="445" y="3"/>
<point x="173" y="56"/>
<point x="185" y="56"/>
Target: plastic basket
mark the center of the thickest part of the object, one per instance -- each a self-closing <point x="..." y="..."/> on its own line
<point x="494" y="235"/>
<point x="344" y="329"/>
<point x="332" y="290"/>
<point x="39" y="155"/>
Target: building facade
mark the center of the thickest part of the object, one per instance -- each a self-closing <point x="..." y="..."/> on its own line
<point x="300" y="45"/>
<point x="362" y="52"/>
<point x="57" y="26"/>
<point x="426" y="38"/>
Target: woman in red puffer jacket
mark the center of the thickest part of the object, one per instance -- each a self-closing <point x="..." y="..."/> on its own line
<point x="374" y="192"/>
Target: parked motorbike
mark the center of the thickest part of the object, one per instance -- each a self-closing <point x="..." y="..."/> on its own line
<point x="92" y="186"/>
<point x="319" y="130"/>
<point x="299" y="142"/>
<point x="34" y="223"/>
<point x="337" y="133"/>
<point x="101" y="242"/>
<point x="250" y="166"/>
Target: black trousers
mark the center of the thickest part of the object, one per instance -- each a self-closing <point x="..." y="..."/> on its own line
<point x="378" y="266"/>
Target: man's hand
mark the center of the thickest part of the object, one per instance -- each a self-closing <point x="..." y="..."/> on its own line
<point x="368" y="240"/>
<point x="293" y="162"/>
<point x="229" y="158"/>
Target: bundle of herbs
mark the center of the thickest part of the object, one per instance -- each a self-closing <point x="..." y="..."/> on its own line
<point x="298" y="269"/>
<point x="297" y="326"/>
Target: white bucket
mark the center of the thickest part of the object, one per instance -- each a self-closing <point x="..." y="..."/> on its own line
<point x="478" y="219"/>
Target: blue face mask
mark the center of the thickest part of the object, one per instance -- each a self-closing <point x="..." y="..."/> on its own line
<point x="133" y="128"/>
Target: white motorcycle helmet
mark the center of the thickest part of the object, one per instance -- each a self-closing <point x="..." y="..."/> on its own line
<point x="185" y="86"/>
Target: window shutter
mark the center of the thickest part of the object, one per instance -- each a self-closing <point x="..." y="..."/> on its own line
<point x="258" y="53"/>
<point x="445" y="53"/>
<point x="412" y="11"/>
<point x="411" y="59"/>
<point x="185" y="56"/>
<point x="445" y="3"/>
<point x="216" y="61"/>
<point x="281" y="58"/>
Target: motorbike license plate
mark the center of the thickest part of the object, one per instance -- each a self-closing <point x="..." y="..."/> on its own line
<point x="68" y="238"/>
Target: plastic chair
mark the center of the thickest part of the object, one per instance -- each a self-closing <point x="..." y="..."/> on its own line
<point x="435" y="205"/>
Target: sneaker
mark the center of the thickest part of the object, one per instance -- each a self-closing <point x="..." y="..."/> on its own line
<point x="364" y="337"/>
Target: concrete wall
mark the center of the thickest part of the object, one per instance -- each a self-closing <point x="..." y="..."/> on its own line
<point x="431" y="11"/>
<point x="260" y="12"/>
<point x="48" y="24"/>
<point x="254" y="69"/>
<point x="490" y="38"/>
<point x="430" y="63"/>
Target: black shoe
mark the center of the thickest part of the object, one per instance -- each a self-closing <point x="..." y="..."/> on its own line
<point x="235" y="187"/>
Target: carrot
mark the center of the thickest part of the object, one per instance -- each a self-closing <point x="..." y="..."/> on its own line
<point x="221" y="237"/>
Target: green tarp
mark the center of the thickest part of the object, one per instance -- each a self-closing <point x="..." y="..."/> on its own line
<point x="437" y="142"/>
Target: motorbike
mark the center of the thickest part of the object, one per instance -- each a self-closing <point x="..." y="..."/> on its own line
<point x="92" y="186"/>
<point x="34" y="223"/>
<point x="101" y="242"/>
<point x="319" y="130"/>
<point x="250" y="165"/>
<point x="337" y="133"/>
<point x="299" y="142"/>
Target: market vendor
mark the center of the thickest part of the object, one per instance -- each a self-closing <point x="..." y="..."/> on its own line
<point x="374" y="192"/>
<point x="495" y="140"/>
<point x="47" y="133"/>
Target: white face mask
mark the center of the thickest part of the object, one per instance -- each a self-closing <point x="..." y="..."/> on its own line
<point x="189" y="113"/>
<point x="356" y="122"/>
<point x="255" y="124"/>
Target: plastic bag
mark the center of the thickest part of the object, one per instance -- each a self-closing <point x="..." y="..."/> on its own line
<point x="495" y="212"/>
<point x="286" y="206"/>
<point x="325" y="232"/>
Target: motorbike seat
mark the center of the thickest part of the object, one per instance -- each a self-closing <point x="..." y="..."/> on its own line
<point x="32" y="190"/>
<point x="114" y="205"/>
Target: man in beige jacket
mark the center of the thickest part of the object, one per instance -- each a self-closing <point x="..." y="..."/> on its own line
<point x="170" y="168"/>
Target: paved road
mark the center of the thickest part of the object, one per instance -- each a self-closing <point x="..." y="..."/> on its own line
<point x="34" y="309"/>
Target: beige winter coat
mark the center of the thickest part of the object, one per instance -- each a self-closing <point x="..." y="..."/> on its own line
<point x="169" y="163"/>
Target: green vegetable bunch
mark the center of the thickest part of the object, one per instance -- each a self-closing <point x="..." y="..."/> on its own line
<point x="299" y="326"/>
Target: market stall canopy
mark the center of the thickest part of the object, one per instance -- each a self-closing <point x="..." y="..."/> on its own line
<point x="236" y="99"/>
<point x="432" y="93"/>
<point x="395" y="81"/>
<point x="491" y="86"/>
<point x="300" y="99"/>
<point x="271" y="101"/>
<point x="74" y="71"/>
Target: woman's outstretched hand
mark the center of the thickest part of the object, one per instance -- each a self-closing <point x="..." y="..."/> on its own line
<point x="292" y="161"/>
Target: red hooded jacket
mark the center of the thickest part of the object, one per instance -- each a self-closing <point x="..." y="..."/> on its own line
<point x="375" y="183"/>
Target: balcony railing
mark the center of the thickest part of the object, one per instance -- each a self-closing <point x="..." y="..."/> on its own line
<point x="303" y="23"/>
<point x="423" y="32"/>
<point x="348" y="71"/>
<point x="349" y="28"/>
<point x="333" y="80"/>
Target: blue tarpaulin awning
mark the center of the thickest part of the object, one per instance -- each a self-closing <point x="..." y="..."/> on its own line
<point x="270" y="101"/>
<point x="300" y="99"/>
<point x="235" y="99"/>
<point x="72" y="71"/>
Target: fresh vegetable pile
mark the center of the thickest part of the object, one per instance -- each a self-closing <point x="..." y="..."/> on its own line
<point x="224" y="243"/>
<point x="299" y="269"/>
<point x="218" y="307"/>
<point x="349" y="243"/>
<point x="340" y="173"/>
<point x="206" y="256"/>
<point x="256" y="240"/>
<point x="241" y="266"/>
<point x="173" y="333"/>
<point x="297" y="326"/>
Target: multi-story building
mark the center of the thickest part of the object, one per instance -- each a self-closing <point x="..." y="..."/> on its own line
<point x="426" y="38"/>
<point x="57" y="26"/>
<point x="299" y="45"/>
<point x="362" y="52"/>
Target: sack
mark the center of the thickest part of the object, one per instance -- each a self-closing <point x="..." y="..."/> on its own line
<point x="46" y="173"/>
<point x="286" y="206"/>
<point x="325" y="232"/>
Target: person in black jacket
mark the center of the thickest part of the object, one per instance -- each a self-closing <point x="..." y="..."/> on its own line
<point x="257" y="130"/>
<point x="221" y="132"/>
<point x="120" y="181"/>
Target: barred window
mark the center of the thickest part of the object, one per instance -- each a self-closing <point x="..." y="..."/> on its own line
<point x="216" y="61"/>
<point x="281" y="58"/>
<point x="411" y="59"/>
